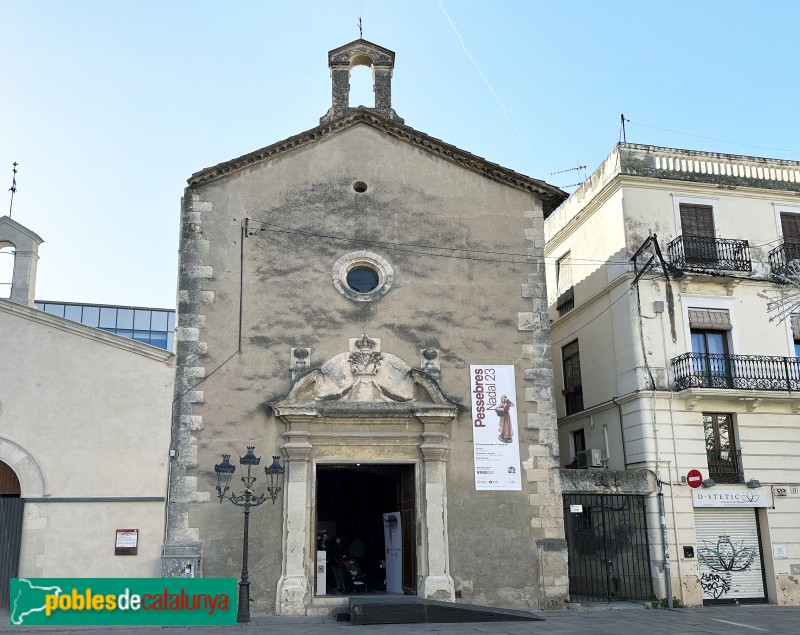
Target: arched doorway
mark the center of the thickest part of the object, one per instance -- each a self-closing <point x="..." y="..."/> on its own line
<point x="11" y="507"/>
<point x="365" y="411"/>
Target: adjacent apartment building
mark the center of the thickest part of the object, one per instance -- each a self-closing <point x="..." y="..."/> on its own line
<point x="675" y="387"/>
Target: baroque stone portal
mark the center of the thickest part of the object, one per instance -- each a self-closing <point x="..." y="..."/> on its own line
<point x="364" y="405"/>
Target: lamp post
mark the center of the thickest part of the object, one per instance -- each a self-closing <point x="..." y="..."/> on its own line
<point x="246" y="499"/>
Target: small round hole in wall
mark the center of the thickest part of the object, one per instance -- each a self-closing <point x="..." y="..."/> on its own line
<point x="363" y="279"/>
<point x="360" y="186"/>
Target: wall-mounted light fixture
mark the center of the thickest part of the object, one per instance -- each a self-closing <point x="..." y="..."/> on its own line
<point x="709" y="482"/>
<point x="753" y="483"/>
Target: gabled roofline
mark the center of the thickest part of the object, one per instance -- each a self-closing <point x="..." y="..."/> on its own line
<point x="552" y="196"/>
<point x="7" y="220"/>
<point x="88" y="332"/>
<point x="332" y="53"/>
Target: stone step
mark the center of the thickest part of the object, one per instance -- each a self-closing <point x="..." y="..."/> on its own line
<point x="325" y="606"/>
<point x="414" y="610"/>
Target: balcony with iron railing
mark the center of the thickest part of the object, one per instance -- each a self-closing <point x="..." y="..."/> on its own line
<point x="725" y="466"/>
<point x="693" y="253"/>
<point x="738" y="372"/>
<point x="782" y="256"/>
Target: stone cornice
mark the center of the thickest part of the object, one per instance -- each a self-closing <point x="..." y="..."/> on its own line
<point x="368" y="412"/>
<point x="361" y="45"/>
<point x="552" y="196"/>
<point x="7" y="220"/>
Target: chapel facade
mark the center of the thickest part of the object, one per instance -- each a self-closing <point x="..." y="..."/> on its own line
<point x="351" y="300"/>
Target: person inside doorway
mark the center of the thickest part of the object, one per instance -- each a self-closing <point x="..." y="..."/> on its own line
<point x="322" y="542"/>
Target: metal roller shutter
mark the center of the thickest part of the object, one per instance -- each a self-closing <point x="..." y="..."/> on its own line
<point x="729" y="555"/>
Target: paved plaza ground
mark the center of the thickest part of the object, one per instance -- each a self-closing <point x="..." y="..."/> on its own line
<point x="718" y="620"/>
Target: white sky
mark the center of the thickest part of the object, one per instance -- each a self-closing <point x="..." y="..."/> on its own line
<point x="109" y="106"/>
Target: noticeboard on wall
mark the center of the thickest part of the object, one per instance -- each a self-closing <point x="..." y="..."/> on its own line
<point x="127" y="542"/>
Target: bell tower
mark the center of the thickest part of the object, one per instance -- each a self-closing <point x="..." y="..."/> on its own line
<point x="361" y="53"/>
<point x="26" y="246"/>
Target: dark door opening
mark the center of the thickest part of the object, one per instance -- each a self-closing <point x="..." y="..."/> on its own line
<point x="351" y="502"/>
<point x="11" y="509"/>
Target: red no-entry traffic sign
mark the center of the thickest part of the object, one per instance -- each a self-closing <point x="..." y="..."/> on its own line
<point x="694" y="478"/>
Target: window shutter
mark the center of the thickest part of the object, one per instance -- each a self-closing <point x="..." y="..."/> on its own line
<point x="714" y="319"/>
<point x="697" y="220"/>
<point x="796" y="326"/>
<point x="790" y="226"/>
<point x="564" y="273"/>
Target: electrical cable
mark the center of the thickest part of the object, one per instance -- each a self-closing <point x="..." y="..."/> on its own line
<point x="593" y="319"/>
<point x="393" y="245"/>
<point x="190" y="389"/>
<point x="397" y="244"/>
<point x="397" y="247"/>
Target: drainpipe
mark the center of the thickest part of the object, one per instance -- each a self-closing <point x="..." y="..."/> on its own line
<point x="605" y="439"/>
<point x="622" y="433"/>
<point x="662" y="514"/>
<point x="663" y="517"/>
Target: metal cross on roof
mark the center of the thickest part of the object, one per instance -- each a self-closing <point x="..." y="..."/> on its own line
<point x="13" y="188"/>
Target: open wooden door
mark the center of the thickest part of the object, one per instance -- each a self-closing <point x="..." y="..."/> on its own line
<point x="409" y="525"/>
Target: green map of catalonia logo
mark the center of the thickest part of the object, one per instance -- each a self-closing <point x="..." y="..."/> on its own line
<point x="27" y="598"/>
<point x="100" y="601"/>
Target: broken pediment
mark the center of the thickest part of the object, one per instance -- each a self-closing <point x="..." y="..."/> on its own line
<point x="364" y="380"/>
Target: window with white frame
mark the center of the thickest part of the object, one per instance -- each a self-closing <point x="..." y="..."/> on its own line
<point x="710" y="346"/>
<point x="565" y="300"/>
<point x="573" y="388"/>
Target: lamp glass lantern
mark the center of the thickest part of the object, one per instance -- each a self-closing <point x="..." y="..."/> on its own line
<point x="224" y="473"/>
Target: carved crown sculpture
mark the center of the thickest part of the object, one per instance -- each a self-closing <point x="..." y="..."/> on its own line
<point x="364" y="344"/>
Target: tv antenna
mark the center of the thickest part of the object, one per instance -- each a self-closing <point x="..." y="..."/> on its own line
<point x="575" y="169"/>
<point x="622" y="136"/>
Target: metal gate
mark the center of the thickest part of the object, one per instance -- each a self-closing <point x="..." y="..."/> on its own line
<point x="609" y="554"/>
<point x="10" y="536"/>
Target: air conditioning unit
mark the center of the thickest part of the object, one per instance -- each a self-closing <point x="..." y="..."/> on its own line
<point x="590" y="458"/>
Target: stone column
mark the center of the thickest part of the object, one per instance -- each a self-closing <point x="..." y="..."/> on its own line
<point x="382" y="87"/>
<point x="340" y="88"/>
<point x="294" y="587"/>
<point x="436" y="582"/>
<point x="23" y="283"/>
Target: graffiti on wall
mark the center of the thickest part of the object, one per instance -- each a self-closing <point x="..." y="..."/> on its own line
<point x="714" y="584"/>
<point x="723" y="559"/>
<point x="726" y="556"/>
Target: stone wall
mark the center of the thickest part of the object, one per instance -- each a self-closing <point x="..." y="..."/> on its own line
<point x="468" y="281"/>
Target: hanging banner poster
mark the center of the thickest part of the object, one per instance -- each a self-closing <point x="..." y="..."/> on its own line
<point x="494" y="428"/>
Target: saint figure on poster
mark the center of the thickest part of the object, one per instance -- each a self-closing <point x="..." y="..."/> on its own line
<point x="506" y="431"/>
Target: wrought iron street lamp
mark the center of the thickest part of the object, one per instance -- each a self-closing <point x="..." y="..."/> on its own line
<point x="246" y="499"/>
